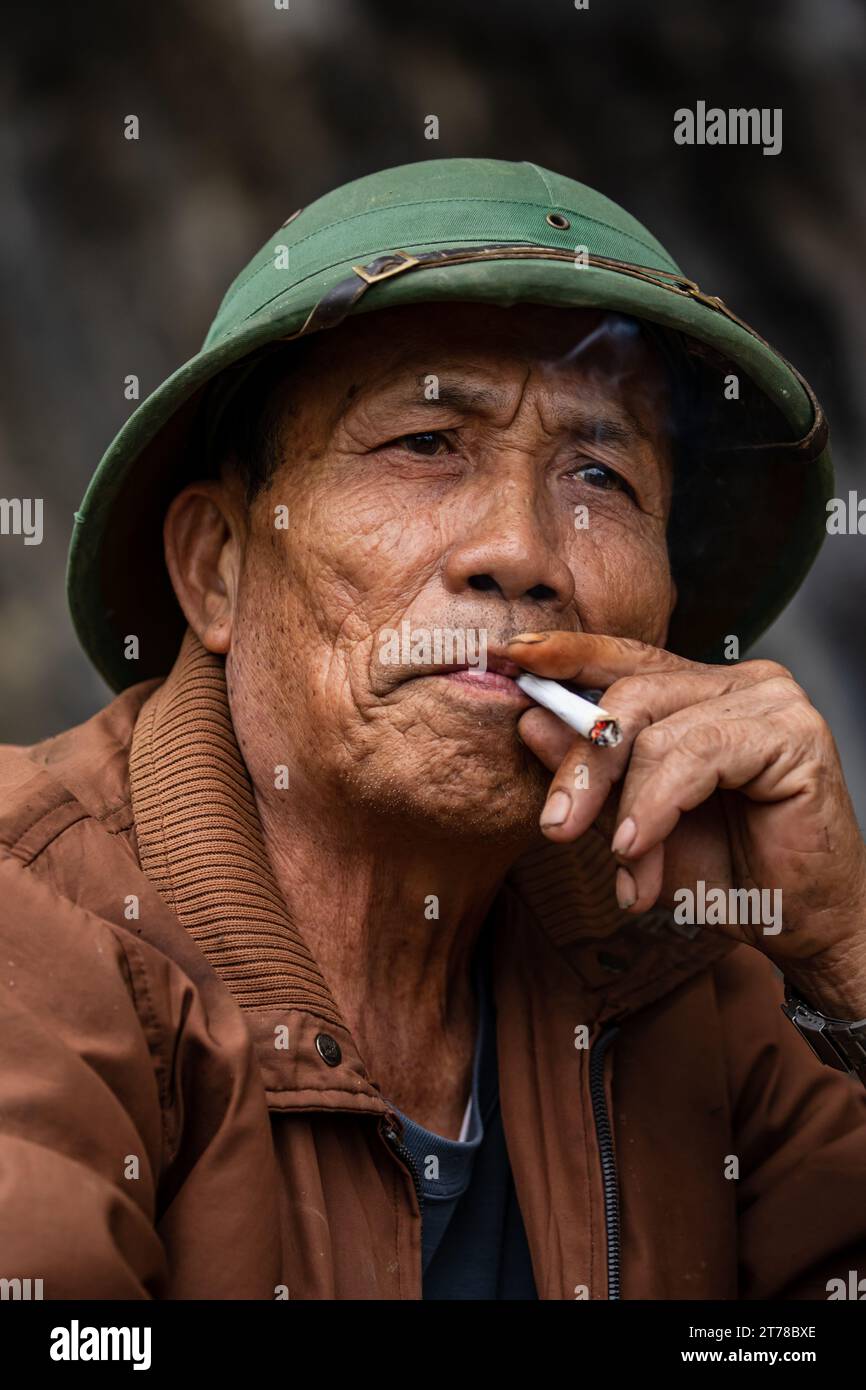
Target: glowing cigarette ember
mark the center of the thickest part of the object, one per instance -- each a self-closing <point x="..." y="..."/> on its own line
<point x="587" y="719"/>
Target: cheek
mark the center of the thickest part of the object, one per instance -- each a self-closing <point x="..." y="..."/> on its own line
<point x="370" y="531"/>
<point x="623" y="580"/>
<point x="357" y="556"/>
<point x="318" y="591"/>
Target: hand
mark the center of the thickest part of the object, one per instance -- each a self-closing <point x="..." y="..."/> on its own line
<point x="726" y="774"/>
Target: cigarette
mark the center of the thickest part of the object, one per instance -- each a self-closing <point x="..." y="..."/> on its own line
<point x="579" y="714"/>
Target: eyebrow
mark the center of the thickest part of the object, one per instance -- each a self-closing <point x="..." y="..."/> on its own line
<point x="582" y="426"/>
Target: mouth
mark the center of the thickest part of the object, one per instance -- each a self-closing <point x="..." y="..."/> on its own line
<point x="496" y="681"/>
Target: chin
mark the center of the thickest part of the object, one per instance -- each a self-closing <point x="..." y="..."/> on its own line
<point x="458" y="800"/>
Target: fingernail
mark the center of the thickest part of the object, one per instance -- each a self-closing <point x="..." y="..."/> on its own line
<point x="626" y="889"/>
<point x="556" y="810"/>
<point x="533" y="637"/>
<point x="624" y="837"/>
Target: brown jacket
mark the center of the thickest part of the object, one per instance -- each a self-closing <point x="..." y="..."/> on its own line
<point x="169" y="1127"/>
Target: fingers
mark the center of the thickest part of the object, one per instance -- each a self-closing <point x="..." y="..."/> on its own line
<point x="730" y="743"/>
<point x="664" y="686"/>
<point x="699" y="839"/>
<point x="639" y="883"/>
<point x="583" y="774"/>
<point x="590" y="657"/>
<point x="545" y="735"/>
<point x="597" y="659"/>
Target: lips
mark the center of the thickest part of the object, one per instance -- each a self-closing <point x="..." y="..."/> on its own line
<point x="497" y="677"/>
<point x="495" y="665"/>
<point x="499" y="665"/>
<point x="486" y="680"/>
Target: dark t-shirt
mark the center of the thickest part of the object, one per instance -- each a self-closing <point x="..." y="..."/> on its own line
<point x="474" y="1243"/>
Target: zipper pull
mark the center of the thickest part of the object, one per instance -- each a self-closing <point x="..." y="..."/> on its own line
<point x="404" y="1154"/>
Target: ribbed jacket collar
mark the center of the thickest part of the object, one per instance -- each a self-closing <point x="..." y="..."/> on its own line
<point x="200" y="841"/>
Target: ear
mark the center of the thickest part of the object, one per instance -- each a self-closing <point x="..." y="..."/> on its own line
<point x="204" y="535"/>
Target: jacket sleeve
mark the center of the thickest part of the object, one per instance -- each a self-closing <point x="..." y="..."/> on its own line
<point x="80" y="1113"/>
<point x="800" y="1135"/>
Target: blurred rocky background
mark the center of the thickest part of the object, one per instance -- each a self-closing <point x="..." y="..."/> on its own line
<point x="114" y="253"/>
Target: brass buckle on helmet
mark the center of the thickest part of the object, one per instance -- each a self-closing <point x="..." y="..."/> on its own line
<point x="373" y="277"/>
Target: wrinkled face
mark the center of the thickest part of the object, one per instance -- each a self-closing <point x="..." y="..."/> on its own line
<point x="459" y="469"/>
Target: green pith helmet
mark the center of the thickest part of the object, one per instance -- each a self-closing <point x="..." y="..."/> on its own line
<point x="753" y="475"/>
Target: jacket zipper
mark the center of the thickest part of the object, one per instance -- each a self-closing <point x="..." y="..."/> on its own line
<point x="604" y="1135"/>
<point x="407" y="1160"/>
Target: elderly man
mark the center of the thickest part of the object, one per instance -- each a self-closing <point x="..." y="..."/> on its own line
<point x="336" y="966"/>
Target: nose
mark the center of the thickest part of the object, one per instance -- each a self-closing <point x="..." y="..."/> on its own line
<point x="509" y="543"/>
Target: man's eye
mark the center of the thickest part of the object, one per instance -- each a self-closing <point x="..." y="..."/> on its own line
<point x="427" y="444"/>
<point x="599" y="475"/>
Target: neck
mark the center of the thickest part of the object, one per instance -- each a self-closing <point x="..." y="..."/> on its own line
<point x="392" y="917"/>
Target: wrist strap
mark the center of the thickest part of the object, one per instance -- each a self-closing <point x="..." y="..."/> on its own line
<point x="836" y="1042"/>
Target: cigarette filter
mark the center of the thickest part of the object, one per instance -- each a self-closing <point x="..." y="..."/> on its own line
<point x="579" y="714"/>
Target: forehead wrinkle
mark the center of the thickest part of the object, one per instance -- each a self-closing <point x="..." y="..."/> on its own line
<point x="582" y="423"/>
<point x="590" y="426"/>
<point x="467" y="397"/>
<point x="613" y="422"/>
<point x="620" y="425"/>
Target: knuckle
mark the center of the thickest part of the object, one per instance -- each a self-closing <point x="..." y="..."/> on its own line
<point x="635" y="699"/>
<point x="631" y="695"/>
<point x="632" y="645"/>
<point x="815" y="722"/>
<point x="697" y="740"/>
<point x="766" y="670"/>
<point x="784" y="687"/>
<point x="652" y="742"/>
